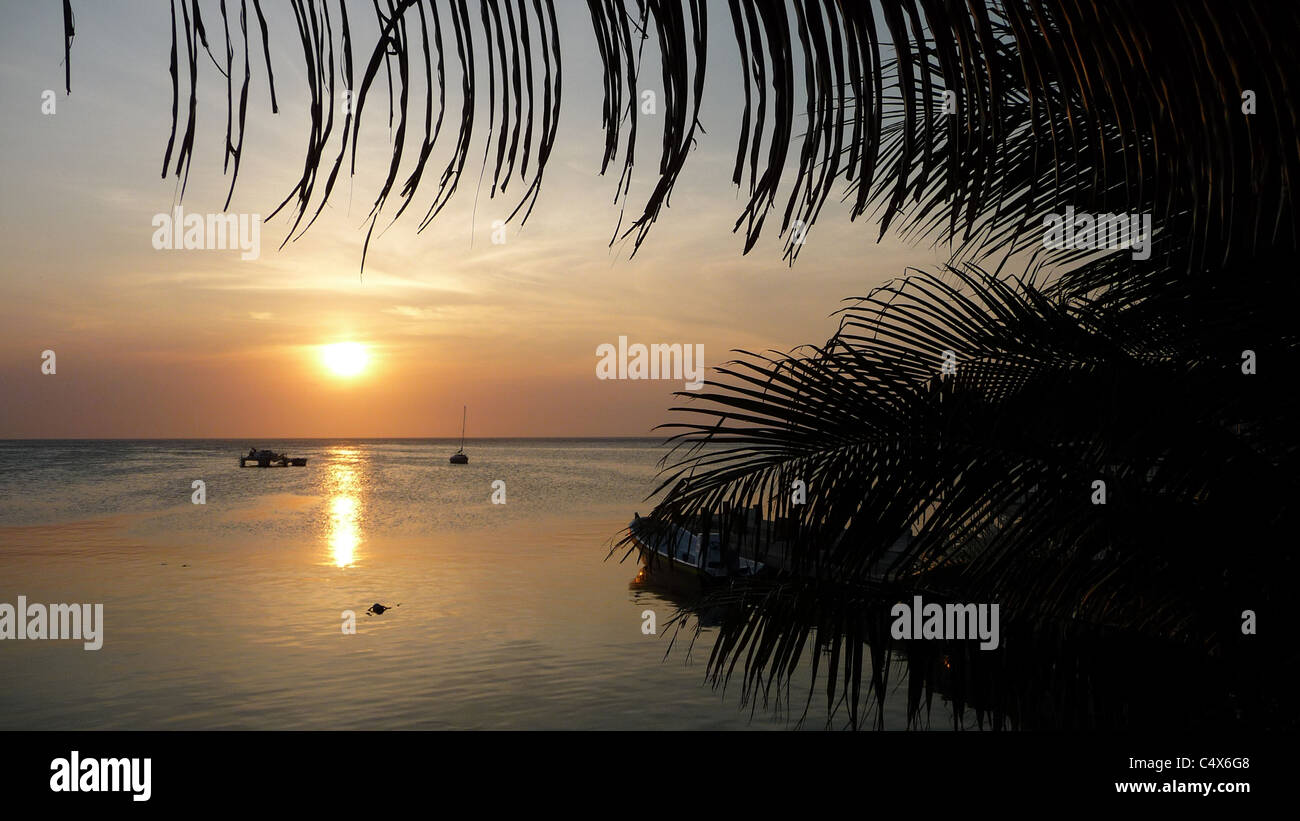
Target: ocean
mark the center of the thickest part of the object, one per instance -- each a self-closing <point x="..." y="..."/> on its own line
<point x="231" y="614"/>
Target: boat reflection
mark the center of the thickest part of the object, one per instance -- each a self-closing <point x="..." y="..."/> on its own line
<point x="670" y="588"/>
<point x="344" y="535"/>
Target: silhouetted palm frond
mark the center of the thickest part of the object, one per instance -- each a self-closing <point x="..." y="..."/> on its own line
<point x="958" y="122"/>
<point x="524" y="64"/>
<point x="988" y="474"/>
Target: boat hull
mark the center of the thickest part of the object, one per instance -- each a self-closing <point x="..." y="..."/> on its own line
<point x="674" y="573"/>
<point x="675" y="553"/>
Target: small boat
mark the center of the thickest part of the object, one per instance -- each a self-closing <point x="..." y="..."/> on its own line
<point x="270" y="459"/>
<point x="677" y="549"/>
<point x="459" y="457"/>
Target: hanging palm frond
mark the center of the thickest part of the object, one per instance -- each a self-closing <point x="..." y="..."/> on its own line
<point x="959" y="123"/>
<point x="524" y="64"/>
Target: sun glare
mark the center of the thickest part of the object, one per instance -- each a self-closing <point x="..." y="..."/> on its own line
<point x="344" y="358"/>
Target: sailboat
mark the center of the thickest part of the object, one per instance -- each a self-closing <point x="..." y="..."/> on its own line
<point x="459" y="457"/>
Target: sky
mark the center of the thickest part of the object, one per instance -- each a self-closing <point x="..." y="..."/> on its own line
<point x="155" y="343"/>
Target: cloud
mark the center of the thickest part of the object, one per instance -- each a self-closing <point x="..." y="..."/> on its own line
<point x="414" y="312"/>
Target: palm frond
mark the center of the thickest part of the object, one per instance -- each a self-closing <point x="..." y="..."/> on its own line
<point x="955" y="122"/>
<point x="986" y="475"/>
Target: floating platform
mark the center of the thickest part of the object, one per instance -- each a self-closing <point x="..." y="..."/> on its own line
<point x="270" y="459"/>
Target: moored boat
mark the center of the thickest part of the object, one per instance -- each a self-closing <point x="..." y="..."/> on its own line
<point x="676" y="549"/>
<point x="460" y="457"/>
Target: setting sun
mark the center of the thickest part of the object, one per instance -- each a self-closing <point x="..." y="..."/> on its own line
<point x="344" y="358"/>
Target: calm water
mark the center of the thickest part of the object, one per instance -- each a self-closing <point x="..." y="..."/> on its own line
<point x="228" y="614"/>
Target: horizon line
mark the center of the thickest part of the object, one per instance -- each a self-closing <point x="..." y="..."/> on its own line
<point x="304" y="438"/>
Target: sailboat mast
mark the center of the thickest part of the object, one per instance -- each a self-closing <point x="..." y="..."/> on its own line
<point x="463" y="410"/>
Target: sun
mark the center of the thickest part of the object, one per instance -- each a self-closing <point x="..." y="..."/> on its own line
<point x="344" y="358"/>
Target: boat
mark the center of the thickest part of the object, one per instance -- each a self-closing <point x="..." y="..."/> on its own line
<point x="676" y="549"/>
<point x="270" y="459"/>
<point x="459" y="457"/>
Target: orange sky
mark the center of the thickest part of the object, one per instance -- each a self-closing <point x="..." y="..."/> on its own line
<point x="156" y="343"/>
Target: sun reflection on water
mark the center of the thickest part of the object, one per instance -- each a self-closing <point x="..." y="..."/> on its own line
<point x="345" y="509"/>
